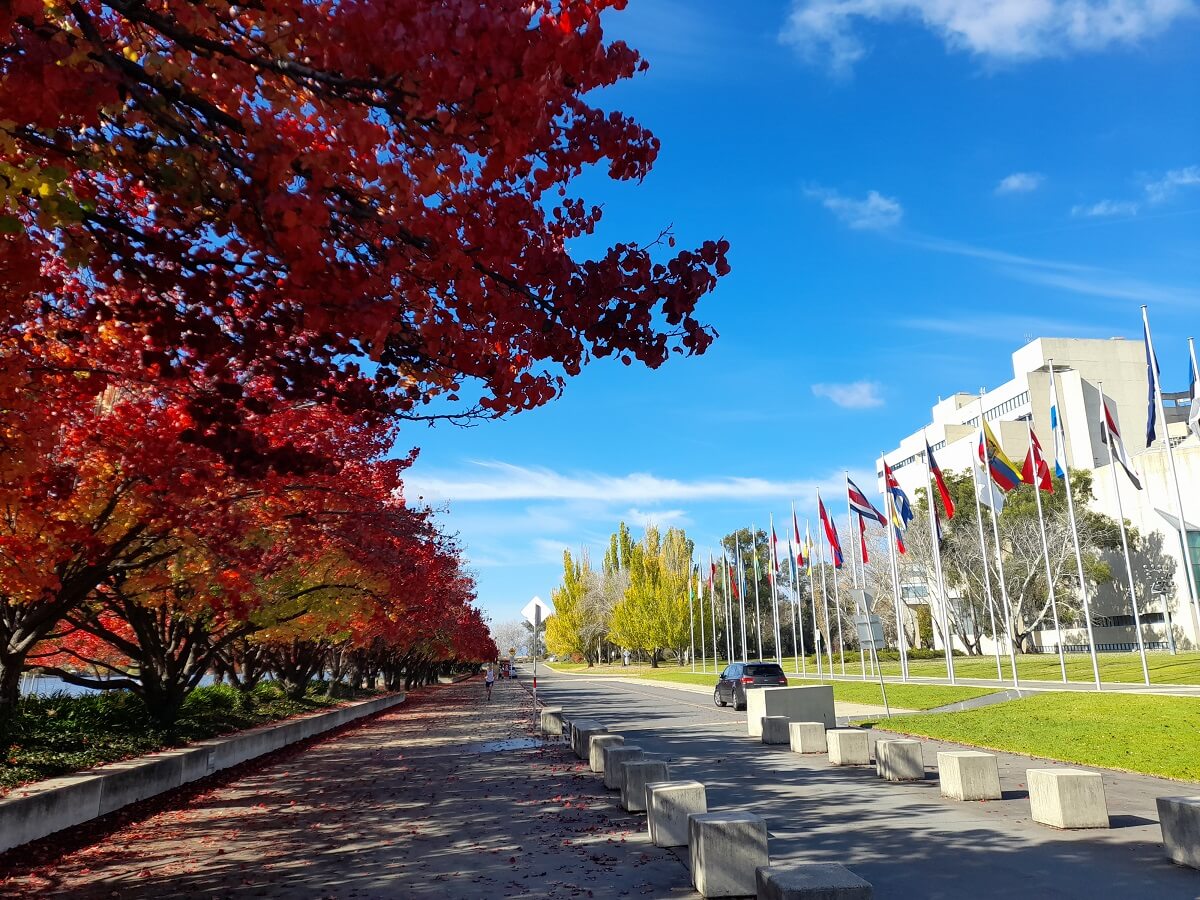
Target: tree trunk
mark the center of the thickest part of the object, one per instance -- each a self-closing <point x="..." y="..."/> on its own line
<point x="654" y="659"/>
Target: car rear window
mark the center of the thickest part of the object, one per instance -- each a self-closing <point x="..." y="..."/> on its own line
<point x="759" y="671"/>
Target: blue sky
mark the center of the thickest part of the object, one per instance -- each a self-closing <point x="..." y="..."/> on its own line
<point x="911" y="190"/>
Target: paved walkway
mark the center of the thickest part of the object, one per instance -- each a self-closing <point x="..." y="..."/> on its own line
<point x="446" y="796"/>
<point x="906" y="839"/>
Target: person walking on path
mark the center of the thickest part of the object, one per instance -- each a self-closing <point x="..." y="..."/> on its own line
<point x="489" y="678"/>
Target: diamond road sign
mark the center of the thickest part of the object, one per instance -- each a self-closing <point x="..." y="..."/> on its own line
<point x="536" y="611"/>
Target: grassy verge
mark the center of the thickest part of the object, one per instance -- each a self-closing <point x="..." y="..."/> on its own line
<point x="1136" y="733"/>
<point x="1117" y="668"/>
<point x="59" y="734"/>
<point x="902" y="696"/>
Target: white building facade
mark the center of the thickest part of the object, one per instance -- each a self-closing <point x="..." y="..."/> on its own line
<point x="1083" y="367"/>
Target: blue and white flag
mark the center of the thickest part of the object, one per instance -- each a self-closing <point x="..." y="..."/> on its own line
<point x="1060" y="451"/>
<point x="1194" y="393"/>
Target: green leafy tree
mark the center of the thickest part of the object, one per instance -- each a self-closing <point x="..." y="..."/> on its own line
<point x="653" y="614"/>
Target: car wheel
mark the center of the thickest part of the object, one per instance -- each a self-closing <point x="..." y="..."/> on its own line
<point x="717" y="697"/>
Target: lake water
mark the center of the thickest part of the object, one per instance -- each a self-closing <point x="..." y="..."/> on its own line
<point x="41" y="685"/>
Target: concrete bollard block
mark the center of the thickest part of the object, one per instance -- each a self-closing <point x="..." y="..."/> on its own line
<point x="1180" y="821"/>
<point x="1067" y="798"/>
<point x="816" y="881"/>
<point x="969" y="775"/>
<point x="807" y="737"/>
<point x="613" y="758"/>
<point x="799" y="704"/>
<point x="596" y="749"/>
<point x="668" y="805"/>
<point x="848" y="747"/>
<point x="550" y="721"/>
<point x="726" y="850"/>
<point x="635" y="775"/>
<point x="899" y="760"/>
<point x="775" y="729"/>
<point x="583" y="736"/>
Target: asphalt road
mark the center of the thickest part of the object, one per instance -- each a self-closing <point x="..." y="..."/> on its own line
<point x="905" y="839"/>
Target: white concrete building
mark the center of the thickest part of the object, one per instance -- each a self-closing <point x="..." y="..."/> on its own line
<point x="1082" y="367"/>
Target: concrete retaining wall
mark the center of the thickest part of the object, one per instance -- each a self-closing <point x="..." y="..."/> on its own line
<point x="37" y="810"/>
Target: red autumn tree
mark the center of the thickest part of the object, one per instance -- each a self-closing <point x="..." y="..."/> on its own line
<point x="365" y="203"/>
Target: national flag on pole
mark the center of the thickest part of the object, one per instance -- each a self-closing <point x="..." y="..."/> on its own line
<point x="712" y="573"/>
<point x="1194" y="394"/>
<point x="1036" y="470"/>
<point x="831" y="535"/>
<point x="900" y="541"/>
<point x="808" y="544"/>
<point x="902" y="512"/>
<point x="935" y="470"/>
<point x="1152" y="372"/>
<point x="1113" y="435"/>
<point x="1002" y="470"/>
<point x="861" y="505"/>
<point x="862" y="538"/>
<point x="987" y="494"/>
<point x="1060" y="448"/>
<point x="774" y="548"/>
<point x="799" y="547"/>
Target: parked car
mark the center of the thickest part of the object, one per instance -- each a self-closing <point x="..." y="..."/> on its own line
<point x="741" y="677"/>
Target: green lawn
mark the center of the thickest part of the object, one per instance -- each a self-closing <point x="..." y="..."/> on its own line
<point x="1183" y="668"/>
<point x="1136" y="733"/>
<point x="902" y="696"/>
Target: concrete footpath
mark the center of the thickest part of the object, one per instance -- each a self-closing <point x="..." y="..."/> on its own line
<point x="447" y="796"/>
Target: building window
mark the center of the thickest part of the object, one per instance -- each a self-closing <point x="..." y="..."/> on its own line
<point x="1193" y="540"/>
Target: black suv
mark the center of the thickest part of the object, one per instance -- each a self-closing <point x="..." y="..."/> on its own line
<point x="739" y="677"/>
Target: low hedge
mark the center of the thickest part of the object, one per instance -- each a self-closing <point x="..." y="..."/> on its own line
<point x="57" y="734"/>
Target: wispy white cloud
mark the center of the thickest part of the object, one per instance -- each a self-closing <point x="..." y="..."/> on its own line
<point x="826" y="32"/>
<point x="1003" y="328"/>
<point x="490" y="480"/>
<point x="1105" y="209"/>
<point x="1101" y="283"/>
<point x="663" y="518"/>
<point x="1077" y="278"/>
<point x="1160" y="190"/>
<point x="873" y="212"/>
<point x="1020" y="183"/>
<point x="1155" y="191"/>
<point x="854" y="395"/>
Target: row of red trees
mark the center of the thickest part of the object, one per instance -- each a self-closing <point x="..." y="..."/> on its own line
<point x="240" y="245"/>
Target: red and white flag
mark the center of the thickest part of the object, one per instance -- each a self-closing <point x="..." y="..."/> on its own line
<point x="1112" y="435"/>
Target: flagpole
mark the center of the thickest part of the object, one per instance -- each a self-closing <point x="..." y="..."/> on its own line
<point x="1194" y="409"/>
<point x="728" y="609"/>
<point x="812" y="592"/>
<point x="691" y="622"/>
<point x="700" y="605"/>
<point x="757" y="606"/>
<point x="774" y="581"/>
<point x="798" y="648"/>
<point x="987" y="574"/>
<point x="774" y="593"/>
<point x="890" y="505"/>
<point x="1162" y="415"/>
<point x="1087" y="606"/>
<point x="1116" y="483"/>
<point x="837" y="602"/>
<point x="1037" y="494"/>
<point x="862" y="655"/>
<point x="944" y="600"/>
<point x="712" y="599"/>
<point x="995" y="516"/>
<point x="741" y="578"/>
